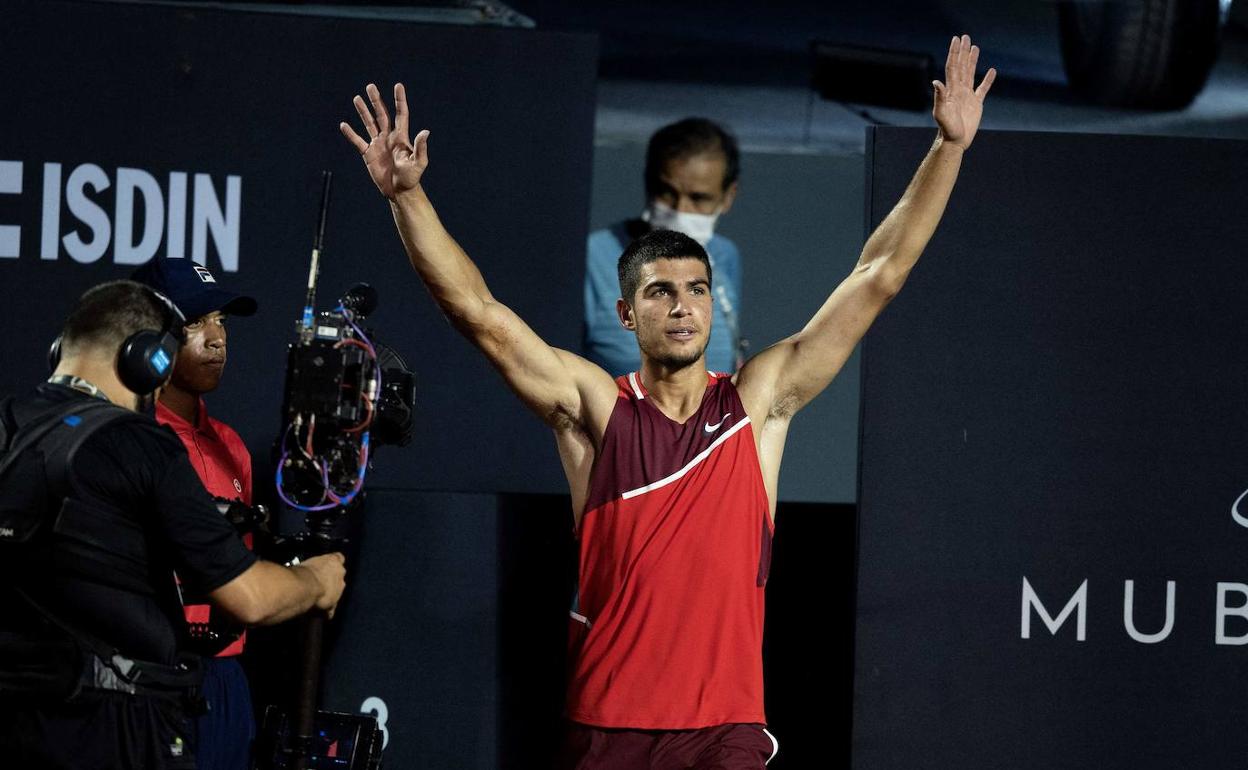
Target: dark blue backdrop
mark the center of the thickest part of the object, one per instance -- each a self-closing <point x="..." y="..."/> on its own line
<point x="1057" y="397"/>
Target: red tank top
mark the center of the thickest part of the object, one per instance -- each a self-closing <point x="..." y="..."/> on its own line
<point x="675" y="546"/>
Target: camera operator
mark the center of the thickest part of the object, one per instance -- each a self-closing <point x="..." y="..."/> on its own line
<point x="99" y="506"/>
<point x="221" y="460"/>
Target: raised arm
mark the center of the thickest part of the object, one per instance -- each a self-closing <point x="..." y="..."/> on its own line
<point x="785" y="377"/>
<point x="562" y="388"/>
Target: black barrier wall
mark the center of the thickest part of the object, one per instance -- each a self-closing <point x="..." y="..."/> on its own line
<point x="140" y="131"/>
<point x="1053" y="442"/>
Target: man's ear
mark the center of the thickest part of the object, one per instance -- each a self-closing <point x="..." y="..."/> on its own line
<point x="730" y="195"/>
<point x="625" y="313"/>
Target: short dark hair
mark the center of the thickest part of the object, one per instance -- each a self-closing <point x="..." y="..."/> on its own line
<point x="105" y="315"/>
<point x="685" y="139"/>
<point x="654" y="245"/>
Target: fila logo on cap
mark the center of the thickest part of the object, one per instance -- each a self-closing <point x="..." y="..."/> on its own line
<point x="203" y="274"/>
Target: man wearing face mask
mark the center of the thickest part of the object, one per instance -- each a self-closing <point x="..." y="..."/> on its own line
<point x="223" y="464"/>
<point x="691" y="180"/>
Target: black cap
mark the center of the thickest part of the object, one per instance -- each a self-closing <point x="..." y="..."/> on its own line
<point x="192" y="288"/>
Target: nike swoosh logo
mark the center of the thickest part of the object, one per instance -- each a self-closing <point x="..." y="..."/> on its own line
<point x="712" y="428"/>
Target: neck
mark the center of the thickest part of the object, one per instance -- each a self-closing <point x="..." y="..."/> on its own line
<point x="78" y="383"/>
<point x="101" y="372"/>
<point x="677" y="392"/>
<point x="183" y="403"/>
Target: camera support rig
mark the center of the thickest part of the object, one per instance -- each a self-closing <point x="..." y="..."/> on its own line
<point x="344" y="395"/>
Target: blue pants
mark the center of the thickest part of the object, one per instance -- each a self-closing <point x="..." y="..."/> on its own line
<point x="225" y="733"/>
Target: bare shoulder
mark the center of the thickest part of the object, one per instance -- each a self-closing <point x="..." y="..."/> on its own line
<point x="579" y="437"/>
<point x="598" y="392"/>
<point x="758" y="384"/>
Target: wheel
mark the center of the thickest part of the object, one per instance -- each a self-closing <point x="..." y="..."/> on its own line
<point x="1140" y="53"/>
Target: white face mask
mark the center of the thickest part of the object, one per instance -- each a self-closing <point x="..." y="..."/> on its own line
<point x="699" y="227"/>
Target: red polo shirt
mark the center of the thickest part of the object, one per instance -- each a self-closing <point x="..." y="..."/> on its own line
<point x="223" y="463"/>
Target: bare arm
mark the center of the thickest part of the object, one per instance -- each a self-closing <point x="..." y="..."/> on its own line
<point x="268" y="593"/>
<point x="560" y="387"/>
<point x="785" y="377"/>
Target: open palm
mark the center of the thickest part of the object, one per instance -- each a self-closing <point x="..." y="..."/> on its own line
<point x="394" y="162"/>
<point x="959" y="105"/>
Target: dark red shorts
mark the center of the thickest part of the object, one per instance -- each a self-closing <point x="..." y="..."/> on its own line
<point x="723" y="747"/>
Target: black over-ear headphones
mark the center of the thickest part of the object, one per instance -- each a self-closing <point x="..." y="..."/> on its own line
<point x="146" y="357"/>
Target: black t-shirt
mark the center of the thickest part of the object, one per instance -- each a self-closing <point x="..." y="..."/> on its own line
<point x="140" y="471"/>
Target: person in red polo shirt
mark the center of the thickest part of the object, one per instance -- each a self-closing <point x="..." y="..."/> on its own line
<point x="223" y="463"/>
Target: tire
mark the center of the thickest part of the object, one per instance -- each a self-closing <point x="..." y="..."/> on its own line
<point x="1139" y="53"/>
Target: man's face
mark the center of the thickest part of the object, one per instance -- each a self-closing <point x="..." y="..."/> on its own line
<point x="671" y="311"/>
<point x="202" y="357"/>
<point x="695" y="185"/>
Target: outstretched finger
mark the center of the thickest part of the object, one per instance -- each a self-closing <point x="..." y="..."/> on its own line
<point x="422" y="148"/>
<point x="355" y="139"/>
<point x="951" y="61"/>
<point x="379" y="109"/>
<point x="986" y="83"/>
<point x="366" y="117"/>
<point x="964" y="54"/>
<point x="972" y="60"/>
<point x="400" y="109"/>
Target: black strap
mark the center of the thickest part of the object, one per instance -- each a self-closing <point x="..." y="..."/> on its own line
<point x="7" y="426"/>
<point x="23" y="436"/>
<point x="96" y="416"/>
<point x="101" y="666"/>
<point x="28" y="434"/>
<point x="88" y="641"/>
<point x="104" y="667"/>
<point x="37" y="468"/>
